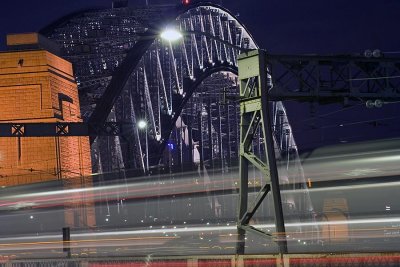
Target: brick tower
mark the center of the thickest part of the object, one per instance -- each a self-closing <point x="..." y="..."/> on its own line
<point x="38" y="86"/>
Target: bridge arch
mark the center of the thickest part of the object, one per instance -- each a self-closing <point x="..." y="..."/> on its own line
<point x="144" y="56"/>
<point x="126" y="73"/>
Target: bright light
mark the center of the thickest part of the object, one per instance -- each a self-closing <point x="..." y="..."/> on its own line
<point x="171" y="34"/>
<point x="142" y="124"/>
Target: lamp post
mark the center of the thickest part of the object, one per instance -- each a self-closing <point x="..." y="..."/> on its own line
<point x="142" y="125"/>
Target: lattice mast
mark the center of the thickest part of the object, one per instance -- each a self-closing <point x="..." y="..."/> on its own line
<point x="255" y="115"/>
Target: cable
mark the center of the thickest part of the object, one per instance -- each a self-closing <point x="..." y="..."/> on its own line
<point x="391" y="52"/>
<point x="353" y="123"/>
<point x="374" y="78"/>
<point x="327" y="114"/>
<point x="388" y="103"/>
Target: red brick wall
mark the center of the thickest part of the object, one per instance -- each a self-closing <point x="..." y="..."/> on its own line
<point x="37" y="86"/>
<point x="31" y="86"/>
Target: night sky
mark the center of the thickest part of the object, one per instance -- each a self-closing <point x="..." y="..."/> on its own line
<point x="279" y="26"/>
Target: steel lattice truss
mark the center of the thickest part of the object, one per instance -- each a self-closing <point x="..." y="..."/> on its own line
<point x="181" y="88"/>
<point x="186" y="91"/>
<point x="334" y="78"/>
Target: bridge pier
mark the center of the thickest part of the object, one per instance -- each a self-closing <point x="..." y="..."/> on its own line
<point x="39" y="87"/>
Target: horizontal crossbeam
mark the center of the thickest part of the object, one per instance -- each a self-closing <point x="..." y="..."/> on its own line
<point x="63" y="129"/>
<point x="333" y="78"/>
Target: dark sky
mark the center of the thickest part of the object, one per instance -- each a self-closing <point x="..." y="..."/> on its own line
<point x="280" y="26"/>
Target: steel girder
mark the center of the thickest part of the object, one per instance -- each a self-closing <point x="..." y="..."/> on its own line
<point x="61" y="129"/>
<point x="333" y="78"/>
<point x="266" y="78"/>
<point x="256" y="126"/>
<point x="120" y="62"/>
<point x="191" y="86"/>
<point x="126" y="73"/>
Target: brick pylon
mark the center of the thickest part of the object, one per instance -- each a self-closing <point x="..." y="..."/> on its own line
<point x="38" y="86"/>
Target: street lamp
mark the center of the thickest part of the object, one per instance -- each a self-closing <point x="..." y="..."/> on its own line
<point x="171" y="34"/>
<point x="142" y="124"/>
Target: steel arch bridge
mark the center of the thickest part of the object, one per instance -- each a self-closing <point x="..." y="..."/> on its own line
<point x="186" y="90"/>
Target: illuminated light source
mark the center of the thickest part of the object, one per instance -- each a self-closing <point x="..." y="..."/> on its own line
<point x="186" y="2"/>
<point x="171" y="146"/>
<point x="171" y="34"/>
<point x="142" y="124"/>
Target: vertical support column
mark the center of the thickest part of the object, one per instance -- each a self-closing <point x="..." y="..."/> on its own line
<point x="210" y="141"/>
<point x="180" y="139"/>
<point x="220" y="142"/>
<point x="255" y="117"/>
<point x="147" y="150"/>
<point x="190" y="136"/>
<point x="228" y="139"/>
<point x="270" y="147"/>
<point x="66" y="241"/>
<point x="201" y="143"/>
